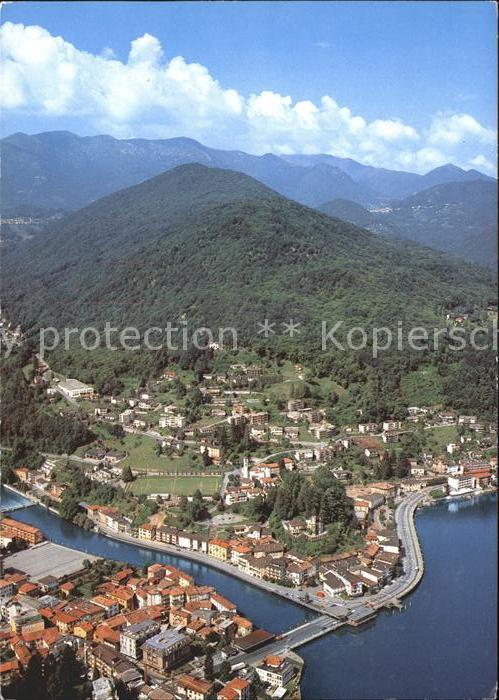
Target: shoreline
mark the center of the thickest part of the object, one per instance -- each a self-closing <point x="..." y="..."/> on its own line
<point x="384" y="598"/>
<point x="376" y="601"/>
<point x="29" y="497"/>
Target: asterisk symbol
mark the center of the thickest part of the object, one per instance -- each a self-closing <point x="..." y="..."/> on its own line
<point x="291" y="328"/>
<point x="266" y="328"/>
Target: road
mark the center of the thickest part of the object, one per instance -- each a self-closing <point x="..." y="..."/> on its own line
<point x="413" y="566"/>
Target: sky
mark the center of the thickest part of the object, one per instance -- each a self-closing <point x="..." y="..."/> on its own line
<point x="403" y="85"/>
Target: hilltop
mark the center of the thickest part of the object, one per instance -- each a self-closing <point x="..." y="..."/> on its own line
<point x="219" y="248"/>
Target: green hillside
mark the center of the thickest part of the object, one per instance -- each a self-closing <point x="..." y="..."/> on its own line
<point x="218" y="248"/>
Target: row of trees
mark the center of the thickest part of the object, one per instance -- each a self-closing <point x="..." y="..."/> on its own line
<point x="54" y="678"/>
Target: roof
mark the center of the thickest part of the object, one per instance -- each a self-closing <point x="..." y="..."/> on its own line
<point x="332" y="580"/>
<point x="224" y="602"/>
<point x="68" y="586"/>
<point x="220" y="543"/>
<point x="253" y="640"/>
<point x="242" y="621"/>
<point x="196" y="684"/>
<point x="7" y="666"/>
<point x="105" y="632"/>
<point x="10" y="522"/>
<point x="103" y="601"/>
<point x="164" y="640"/>
<point x="73" y="384"/>
<point x="139" y="627"/>
<point x="273" y="660"/>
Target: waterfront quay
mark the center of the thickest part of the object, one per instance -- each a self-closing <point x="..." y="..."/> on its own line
<point x="334" y="613"/>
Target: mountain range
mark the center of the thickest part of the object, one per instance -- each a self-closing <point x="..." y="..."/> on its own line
<point x="457" y="217"/>
<point x="219" y="248"/>
<point x="59" y="170"/>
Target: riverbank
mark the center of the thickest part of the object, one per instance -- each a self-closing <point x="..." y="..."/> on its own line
<point x="399" y="588"/>
<point x="388" y="595"/>
<point x="454" y="606"/>
<point x="444" y="643"/>
<point x="29" y="497"/>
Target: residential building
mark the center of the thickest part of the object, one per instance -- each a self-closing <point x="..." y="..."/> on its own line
<point x="14" y="529"/>
<point x="166" y="650"/>
<point x="333" y="585"/>
<point x="133" y="636"/>
<point x="110" y="606"/>
<point x="219" y="549"/>
<point x="366" y="428"/>
<point x="461" y="482"/>
<point x="236" y="689"/>
<point x="147" y="531"/>
<point x="389" y="425"/>
<point x="193" y="688"/>
<point x="258" y="418"/>
<point x="276" y="671"/>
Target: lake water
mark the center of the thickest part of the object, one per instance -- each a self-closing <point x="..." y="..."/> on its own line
<point x="443" y="645"/>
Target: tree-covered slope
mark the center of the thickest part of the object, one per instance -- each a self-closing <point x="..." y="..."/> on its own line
<point x="218" y="248"/>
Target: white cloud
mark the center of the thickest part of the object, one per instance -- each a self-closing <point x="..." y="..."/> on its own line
<point x="151" y="95"/>
<point x="456" y="128"/>
<point x="393" y="130"/>
<point x="481" y="162"/>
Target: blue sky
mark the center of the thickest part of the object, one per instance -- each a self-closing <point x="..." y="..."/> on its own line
<point x="407" y="85"/>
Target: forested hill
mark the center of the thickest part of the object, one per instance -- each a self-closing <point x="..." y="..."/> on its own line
<point x="219" y="248"/>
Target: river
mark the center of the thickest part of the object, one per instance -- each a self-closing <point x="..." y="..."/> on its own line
<point x="443" y="645"/>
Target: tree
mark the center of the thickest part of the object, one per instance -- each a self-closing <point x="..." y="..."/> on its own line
<point x="224" y="671"/>
<point x="209" y="671"/>
<point x="51" y="679"/>
<point x="69" y="505"/>
<point x="126" y="474"/>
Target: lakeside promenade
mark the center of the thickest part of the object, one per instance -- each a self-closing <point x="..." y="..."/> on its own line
<point x="332" y="613"/>
<point x="389" y="595"/>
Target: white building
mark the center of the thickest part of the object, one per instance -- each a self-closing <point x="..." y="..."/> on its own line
<point x="133" y="636"/>
<point x="74" y="389"/>
<point x="275" y="671"/>
<point x="461" y="483"/>
<point x="392" y="425"/>
<point x="367" y="428"/>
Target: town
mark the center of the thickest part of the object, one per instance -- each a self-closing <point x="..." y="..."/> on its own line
<point x="155" y="633"/>
<point x="244" y="470"/>
<point x="205" y="462"/>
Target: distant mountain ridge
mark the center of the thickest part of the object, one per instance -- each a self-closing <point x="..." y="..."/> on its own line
<point x="393" y="184"/>
<point x="456" y="217"/>
<point x="59" y="170"/>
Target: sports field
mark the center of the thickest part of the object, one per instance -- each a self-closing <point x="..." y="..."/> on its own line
<point x="176" y="486"/>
